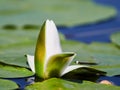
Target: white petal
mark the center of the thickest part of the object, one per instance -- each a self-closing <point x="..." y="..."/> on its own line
<point x="72" y="67"/>
<point x="30" y="60"/>
<point x="52" y="40"/>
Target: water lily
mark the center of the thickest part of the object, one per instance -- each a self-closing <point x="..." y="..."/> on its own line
<point x="49" y="60"/>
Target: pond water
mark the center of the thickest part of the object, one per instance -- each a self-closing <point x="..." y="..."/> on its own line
<point x="94" y="32"/>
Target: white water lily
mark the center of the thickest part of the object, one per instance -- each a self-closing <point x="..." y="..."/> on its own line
<point x="49" y="60"/>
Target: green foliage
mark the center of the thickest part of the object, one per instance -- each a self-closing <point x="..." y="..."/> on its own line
<point x="105" y="54"/>
<point x="20" y="20"/>
<point x="116" y="38"/>
<point x="7" y="71"/>
<point x="7" y="85"/>
<point x="32" y="13"/>
<point x="59" y="84"/>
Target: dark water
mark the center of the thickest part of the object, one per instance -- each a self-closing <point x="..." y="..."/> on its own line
<point x="94" y="32"/>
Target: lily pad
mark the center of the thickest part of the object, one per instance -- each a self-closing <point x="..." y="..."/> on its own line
<point x="7" y="71"/>
<point x="59" y="84"/>
<point x="106" y="48"/>
<point x="29" y="12"/>
<point x="105" y="54"/>
<point x="116" y="38"/>
<point x="7" y="85"/>
<point x="16" y="37"/>
<point x="16" y="60"/>
<point x="16" y="44"/>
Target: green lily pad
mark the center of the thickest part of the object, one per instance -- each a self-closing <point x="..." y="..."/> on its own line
<point x="116" y="38"/>
<point x="59" y="84"/>
<point x="16" y="44"/>
<point x="17" y="37"/>
<point x="16" y="60"/>
<point x="7" y="71"/>
<point x="29" y="12"/>
<point x="105" y="54"/>
<point x="106" y="48"/>
<point x="80" y="49"/>
<point x="7" y="85"/>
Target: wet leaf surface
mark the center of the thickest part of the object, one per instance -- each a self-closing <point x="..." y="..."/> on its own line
<point x="7" y="85"/>
<point x="116" y="38"/>
<point x="7" y="71"/>
<point x="13" y="49"/>
<point x="59" y="84"/>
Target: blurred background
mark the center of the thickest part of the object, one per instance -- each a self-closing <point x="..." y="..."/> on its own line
<point x="81" y="20"/>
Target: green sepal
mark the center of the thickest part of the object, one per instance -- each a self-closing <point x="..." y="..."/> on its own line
<point x="57" y="64"/>
<point x="40" y="53"/>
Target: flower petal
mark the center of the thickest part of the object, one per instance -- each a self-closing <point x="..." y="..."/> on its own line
<point x="48" y="44"/>
<point x="52" y="40"/>
<point x="71" y="68"/>
<point x="58" y="63"/>
<point x="30" y="60"/>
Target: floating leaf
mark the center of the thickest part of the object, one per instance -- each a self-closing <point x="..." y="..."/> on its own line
<point x="84" y="73"/>
<point x="16" y="60"/>
<point x="17" y="37"/>
<point x="7" y="71"/>
<point x="59" y="84"/>
<point x="106" y="55"/>
<point x="29" y="12"/>
<point x="15" y="44"/>
<point x="7" y="85"/>
<point x="106" y="48"/>
<point x="116" y="38"/>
